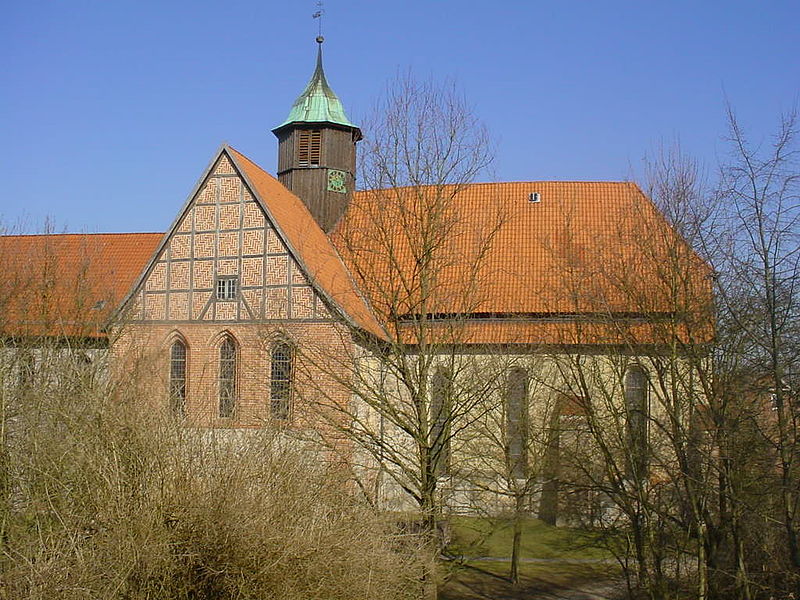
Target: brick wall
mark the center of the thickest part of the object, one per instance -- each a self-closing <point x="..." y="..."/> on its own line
<point x="140" y="353"/>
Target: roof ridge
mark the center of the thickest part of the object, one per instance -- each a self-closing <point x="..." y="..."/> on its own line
<point x="505" y="183"/>
<point x="75" y="234"/>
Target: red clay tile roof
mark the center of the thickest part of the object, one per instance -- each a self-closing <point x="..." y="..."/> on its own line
<point x="68" y="284"/>
<point x="308" y="243"/>
<point x="483" y="250"/>
<point x="487" y="249"/>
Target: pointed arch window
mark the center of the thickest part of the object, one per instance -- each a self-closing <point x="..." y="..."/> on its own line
<point x="309" y="145"/>
<point x="227" y="377"/>
<point x="281" y="380"/>
<point x="440" y="417"/>
<point x="517" y="423"/>
<point x="177" y="378"/>
<point x="636" y="412"/>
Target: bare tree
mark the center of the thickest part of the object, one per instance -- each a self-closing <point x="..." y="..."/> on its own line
<point x="624" y="432"/>
<point x="420" y="260"/>
<point x="700" y="491"/>
<point x="760" y="275"/>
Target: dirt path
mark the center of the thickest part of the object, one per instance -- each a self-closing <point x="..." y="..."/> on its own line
<point x="543" y="579"/>
<point x="537" y="591"/>
<point x="544" y="561"/>
<point x="601" y="591"/>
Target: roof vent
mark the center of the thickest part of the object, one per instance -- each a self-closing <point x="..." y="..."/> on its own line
<point x="534" y="197"/>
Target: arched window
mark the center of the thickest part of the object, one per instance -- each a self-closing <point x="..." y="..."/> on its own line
<point x="281" y="380"/>
<point x="177" y="378"/>
<point x="517" y="423"/>
<point x="636" y="419"/>
<point x="441" y="393"/>
<point x="227" y="377"/>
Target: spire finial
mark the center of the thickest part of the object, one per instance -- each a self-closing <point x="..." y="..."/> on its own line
<point x="318" y="15"/>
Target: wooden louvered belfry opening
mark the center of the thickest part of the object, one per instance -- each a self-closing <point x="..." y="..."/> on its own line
<point x="309" y="144"/>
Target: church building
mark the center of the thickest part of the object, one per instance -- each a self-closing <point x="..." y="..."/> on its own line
<point x="269" y="294"/>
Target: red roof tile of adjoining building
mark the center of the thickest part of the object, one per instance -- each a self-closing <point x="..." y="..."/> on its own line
<point x="67" y="284"/>
<point x="309" y="244"/>
<point x="494" y="249"/>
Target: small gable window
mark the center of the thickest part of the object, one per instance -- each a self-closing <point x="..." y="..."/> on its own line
<point x="227" y="288"/>
<point x="281" y="381"/>
<point x="227" y="377"/>
<point x="309" y="145"/>
<point x="177" y="378"/>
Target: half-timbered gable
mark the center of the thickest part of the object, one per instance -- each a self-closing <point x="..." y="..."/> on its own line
<point x="224" y="260"/>
<point x="243" y="276"/>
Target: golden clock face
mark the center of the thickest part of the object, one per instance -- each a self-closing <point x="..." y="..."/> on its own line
<point x="337" y="181"/>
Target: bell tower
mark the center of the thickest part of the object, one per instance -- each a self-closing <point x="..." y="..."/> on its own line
<point x="317" y="150"/>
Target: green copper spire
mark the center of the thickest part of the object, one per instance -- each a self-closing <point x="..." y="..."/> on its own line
<point x="318" y="103"/>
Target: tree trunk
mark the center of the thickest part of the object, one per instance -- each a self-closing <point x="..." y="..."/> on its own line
<point x="702" y="566"/>
<point x="517" y="539"/>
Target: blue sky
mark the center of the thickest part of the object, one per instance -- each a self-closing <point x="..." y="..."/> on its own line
<point x="110" y="110"/>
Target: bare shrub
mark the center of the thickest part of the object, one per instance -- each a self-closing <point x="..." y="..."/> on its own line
<point x="103" y="497"/>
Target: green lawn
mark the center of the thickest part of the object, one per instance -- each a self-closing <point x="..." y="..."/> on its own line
<point x="564" y="575"/>
<point x="474" y="537"/>
<point x="573" y="565"/>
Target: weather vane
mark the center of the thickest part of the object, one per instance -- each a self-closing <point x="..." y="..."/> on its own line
<point x="318" y="15"/>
